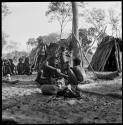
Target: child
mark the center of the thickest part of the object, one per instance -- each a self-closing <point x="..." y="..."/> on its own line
<point x="78" y="70"/>
<point x="72" y="77"/>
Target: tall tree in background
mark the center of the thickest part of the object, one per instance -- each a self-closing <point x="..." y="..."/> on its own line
<point x="63" y="13"/>
<point x="76" y="47"/>
<point x="75" y="19"/>
<point x="60" y="11"/>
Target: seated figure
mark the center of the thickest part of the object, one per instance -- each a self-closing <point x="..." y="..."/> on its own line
<point x="7" y="67"/>
<point x="78" y="70"/>
<point x="27" y="69"/>
<point x="48" y="74"/>
<point x="20" y="67"/>
<point x="12" y="66"/>
<point x="72" y="77"/>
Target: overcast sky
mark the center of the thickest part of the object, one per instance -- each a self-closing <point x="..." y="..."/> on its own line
<point x="28" y="20"/>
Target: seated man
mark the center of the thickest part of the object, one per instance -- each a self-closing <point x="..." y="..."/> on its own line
<point x="7" y="67"/>
<point x="3" y="67"/>
<point x="27" y="69"/>
<point x="62" y="59"/>
<point x="20" y="67"/>
<point x="46" y="75"/>
<point x="78" y="70"/>
<point x="12" y="66"/>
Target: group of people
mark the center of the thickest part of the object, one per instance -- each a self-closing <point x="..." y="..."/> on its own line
<point x="56" y="67"/>
<point x="52" y="67"/>
<point x="51" y="70"/>
<point x="23" y="67"/>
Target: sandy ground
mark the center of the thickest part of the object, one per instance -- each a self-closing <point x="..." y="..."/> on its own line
<point x="26" y="104"/>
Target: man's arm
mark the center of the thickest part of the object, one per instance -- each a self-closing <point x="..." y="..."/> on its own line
<point x="50" y="67"/>
<point x="56" y="70"/>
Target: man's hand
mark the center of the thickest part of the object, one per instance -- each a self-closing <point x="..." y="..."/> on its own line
<point x="58" y="70"/>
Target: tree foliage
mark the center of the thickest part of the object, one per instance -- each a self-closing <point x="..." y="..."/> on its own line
<point x="92" y="32"/>
<point x="12" y="46"/>
<point x="114" y="20"/>
<point x="31" y="42"/>
<point x="47" y="39"/>
<point x="15" y="55"/>
<point x="5" y="12"/>
<point x="83" y="36"/>
<point x="60" y="11"/>
<point x="52" y="37"/>
<point x="4" y="41"/>
<point x="97" y="18"/>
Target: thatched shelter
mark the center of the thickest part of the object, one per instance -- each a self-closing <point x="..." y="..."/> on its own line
<point x="107" y="55"/>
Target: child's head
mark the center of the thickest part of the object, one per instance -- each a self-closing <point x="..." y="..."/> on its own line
<point x="8" y="77"/>
<point x="76" y="61"/>
<point x="20" y="59"/>
<point x="26" y="59"/>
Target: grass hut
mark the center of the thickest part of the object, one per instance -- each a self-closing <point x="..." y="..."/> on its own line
<point x="107" y="55"/>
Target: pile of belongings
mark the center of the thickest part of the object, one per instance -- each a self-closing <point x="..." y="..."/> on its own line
<point x="8" y="79"/>
<point x="60" y="89"/>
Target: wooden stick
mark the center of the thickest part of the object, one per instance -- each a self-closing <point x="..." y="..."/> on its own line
<point x="119" y="61"/>
<point x="116" y="55"/>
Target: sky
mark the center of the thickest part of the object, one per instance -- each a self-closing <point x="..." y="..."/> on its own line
<point x="28" y="20"/>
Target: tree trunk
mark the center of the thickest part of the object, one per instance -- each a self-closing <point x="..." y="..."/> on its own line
<point x="75" y="19"/>
<point x="76" y="48"/>
<point x="61" y="32"/>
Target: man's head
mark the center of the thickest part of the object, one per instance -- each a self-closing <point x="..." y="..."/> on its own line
<point x="11" y="61"/>
<point x="62" y="49"/>
<point x="7" y="62"/>
<point x="67" y="65"/>
<point x="76" y="61"/>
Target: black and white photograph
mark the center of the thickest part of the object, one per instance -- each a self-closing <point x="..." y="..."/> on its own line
<point x="61" y="62"/>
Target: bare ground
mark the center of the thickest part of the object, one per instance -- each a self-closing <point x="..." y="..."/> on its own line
<point x="26" y="104"/>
